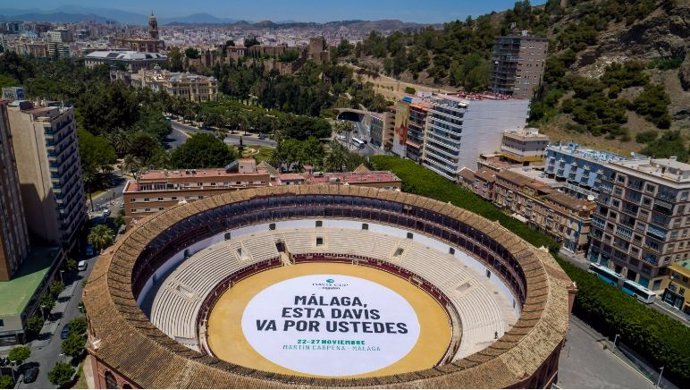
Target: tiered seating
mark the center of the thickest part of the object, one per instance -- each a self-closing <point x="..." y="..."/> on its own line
<point x="177" y="303"/>
<point x="299" y="241"/>
<point x="482" y="313"/>
<point x="261" y="247"/>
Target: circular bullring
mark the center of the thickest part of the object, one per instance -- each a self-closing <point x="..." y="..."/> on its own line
<point x="218" y="288"/>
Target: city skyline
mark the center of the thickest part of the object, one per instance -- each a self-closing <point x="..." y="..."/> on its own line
<point x="438" y="11"/>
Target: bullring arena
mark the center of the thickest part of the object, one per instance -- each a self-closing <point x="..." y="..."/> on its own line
<point x="324" y="286"/>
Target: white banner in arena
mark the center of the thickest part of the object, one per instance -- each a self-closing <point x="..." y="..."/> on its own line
<point x="330" y="325"/>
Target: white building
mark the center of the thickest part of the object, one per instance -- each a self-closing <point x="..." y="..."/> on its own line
<point x="461" y="127"/>
<point x="130" y="60"/>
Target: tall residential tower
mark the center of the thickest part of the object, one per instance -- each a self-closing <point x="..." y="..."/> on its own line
<point x="47" y="154"/>
<point x="518" y="65"/>
<point x="14" y="238"/>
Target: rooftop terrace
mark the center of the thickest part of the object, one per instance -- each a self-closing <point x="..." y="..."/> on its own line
<point x="17" y="292"/>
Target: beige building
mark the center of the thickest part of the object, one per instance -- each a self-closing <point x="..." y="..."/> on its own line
<point x="524" y="146"/>
<point x="14" y="237"/>
<point x="642" y="222"/>
<point x="187" y="86"/>
<point x="535" y="202"/>
<point x="156" y="191"/>
<point x="47" y="153"/>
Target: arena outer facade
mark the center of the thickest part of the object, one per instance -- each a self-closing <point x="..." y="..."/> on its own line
<point x="127" y="351"/>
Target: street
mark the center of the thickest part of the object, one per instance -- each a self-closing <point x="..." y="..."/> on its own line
<point x="181" y="132"/>
<point x="47" y="351"/>
<point x="587" y="362"/>
<point x="112" y="198"/>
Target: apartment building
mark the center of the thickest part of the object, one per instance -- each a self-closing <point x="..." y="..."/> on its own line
<point x="155" y="191"/>
<point x="518" y="65"/>
<point x="677" y="292"/>
<point x="525" y="146"/>
<point x="188" y="86"/>
<point x="47" y="154"/>
<point x="579" y="167"/>
<point x="480" y="182"/>
<point x="537" y="202"/>
<point x="376" y="131"/>
<point x="459" y="127"/>
<point x="14" y="236"/>
<point x="642" y="222"/>
<point x="416" y="130"/>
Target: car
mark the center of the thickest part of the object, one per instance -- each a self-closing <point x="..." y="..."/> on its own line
<point x="65" y="332"/>
<point x="82" y="265"/>
<point x="90" y="251"/>
<point x="106" y="212"/>
<point x="30" y="374"/>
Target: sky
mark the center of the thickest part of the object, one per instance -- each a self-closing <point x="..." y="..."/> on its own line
<point x="422" y="11"/>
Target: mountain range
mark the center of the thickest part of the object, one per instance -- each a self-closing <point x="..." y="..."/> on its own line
<point x="74" y="13"/>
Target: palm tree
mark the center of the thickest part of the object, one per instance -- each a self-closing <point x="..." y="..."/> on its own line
<point x="101" y="237"/>
<point x="121" y="141"/>
<point x="132" y="165"/>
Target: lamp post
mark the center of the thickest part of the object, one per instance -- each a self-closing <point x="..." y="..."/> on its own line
<point x="615" y="339"/>
<point x="658" y="382"/>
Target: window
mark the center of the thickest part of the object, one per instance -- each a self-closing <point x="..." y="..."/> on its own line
<point x="319" y="223"/>
<point x="488" y="273"/>
<point x="451" y="251"/>
<point x="110" y="381"/>
<point x="227" y="236"/>
<point x="365" y="226"/>
<point x="2" y="323"/>
<point x="410" y="235"/>
<point x="319" y="241"/>
<point x="271" y="226"/>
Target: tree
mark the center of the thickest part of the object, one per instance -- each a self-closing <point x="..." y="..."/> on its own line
<point x="56" y="288"/>
<point x="6" y="382"/>
<point x="144" y="147"/>
<point x="61" y="374"/>
<point x="70" y="265"/>
<point x="96" y="153"/>
<point x="19" y="354"/>
<point x="251" y="41"/>
<point x="47" y="302"/>
<point x="34" y="324"/>
<point x="202" y="150"/>
<point x="74" y="345"/>
<point x="78" y="325"/>
<point x="191" y="53"/>
<point x="101" y="237"/>
<point x="175" y="60"/>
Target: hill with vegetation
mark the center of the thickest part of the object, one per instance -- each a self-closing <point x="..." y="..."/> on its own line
<point x="617" y="74"/>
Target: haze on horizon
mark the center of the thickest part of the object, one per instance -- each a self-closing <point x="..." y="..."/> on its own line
<point x="430" y="11"/>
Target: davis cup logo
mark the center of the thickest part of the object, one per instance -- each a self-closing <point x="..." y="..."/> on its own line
<point x="317" y="325"/>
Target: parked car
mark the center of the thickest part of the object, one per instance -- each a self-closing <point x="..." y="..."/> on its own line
<point x="65" y="332"/>
<point x="30" y="374"/>
<point x="82" y="265"/>
<point x="90" y="250"/>
<point x="106" y="212"/>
